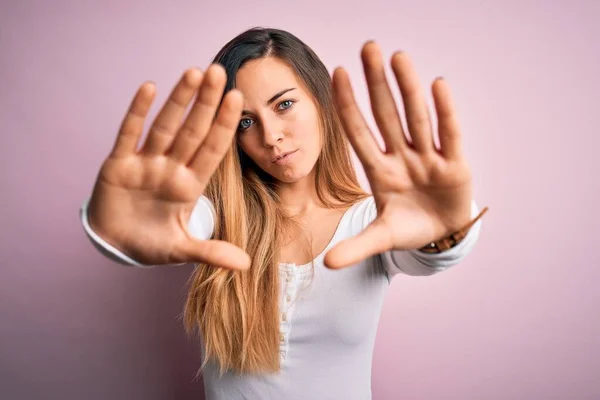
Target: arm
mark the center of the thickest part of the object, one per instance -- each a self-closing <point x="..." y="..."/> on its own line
<point x="418" y="263"/>
<point x="201" y="226"/>
<point x="423" y="190"/>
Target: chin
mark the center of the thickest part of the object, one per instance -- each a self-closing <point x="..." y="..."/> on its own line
<point x="293" y="175"/>
<point x="289" y="176"/>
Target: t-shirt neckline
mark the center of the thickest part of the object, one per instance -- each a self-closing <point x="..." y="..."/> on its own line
<point x="332" y="241"/>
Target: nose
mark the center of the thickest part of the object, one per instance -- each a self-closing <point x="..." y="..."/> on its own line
<point x="272" y="134"/>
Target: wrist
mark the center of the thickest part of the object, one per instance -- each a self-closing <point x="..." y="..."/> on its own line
<point x="452" y="240"/>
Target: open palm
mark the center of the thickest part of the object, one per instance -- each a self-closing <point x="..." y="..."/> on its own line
<point x="143" y="199"/>
<point x="422" y="193"/>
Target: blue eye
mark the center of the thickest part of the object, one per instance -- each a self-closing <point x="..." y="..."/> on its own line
<point x="245" y="124"/>
<point x="284" y="105"/>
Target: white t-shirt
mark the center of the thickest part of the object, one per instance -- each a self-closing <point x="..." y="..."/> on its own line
<point x="328" y="328"/>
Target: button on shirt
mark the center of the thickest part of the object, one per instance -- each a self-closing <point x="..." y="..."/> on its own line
<point x="328" y="318"/>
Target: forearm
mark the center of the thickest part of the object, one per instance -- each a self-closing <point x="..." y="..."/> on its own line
<point x="200" y="226"/>
<point x="419" y="263"/>
<point x="103" y="246"/>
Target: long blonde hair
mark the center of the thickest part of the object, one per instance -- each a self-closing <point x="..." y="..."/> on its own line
<point x="237" y="313"/>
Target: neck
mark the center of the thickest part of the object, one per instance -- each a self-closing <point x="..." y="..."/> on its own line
<point x="300" y="198"/>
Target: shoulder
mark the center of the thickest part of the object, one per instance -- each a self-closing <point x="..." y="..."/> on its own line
<point x="360" y="215"/>
<point x="202" y="220"/>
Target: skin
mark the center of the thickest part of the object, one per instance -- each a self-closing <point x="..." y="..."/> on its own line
<point x="290" y="122"/>
<point x="144" y="196"/>
<point x="422" y="192"/>
<point x="279" y="116"/>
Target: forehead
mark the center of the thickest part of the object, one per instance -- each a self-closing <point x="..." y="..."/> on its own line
<point x="260" y="79"/>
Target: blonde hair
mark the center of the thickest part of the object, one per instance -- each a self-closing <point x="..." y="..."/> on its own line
<point x="237" y="313"/>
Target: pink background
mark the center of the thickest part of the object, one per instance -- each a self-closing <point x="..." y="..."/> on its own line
<point x="517" y="320"/>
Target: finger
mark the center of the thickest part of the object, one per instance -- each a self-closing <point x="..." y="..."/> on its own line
<point x="133" y="123"/>
<point x="373" y="240"/>
<point x="448" y="127"/>
<point x="354" y="124"/>
<point x="383" y="105"/>
<point x="201" y="116"/>
<point x="219" y="139"/>
<point x="168" y="120"/>
<point x="417" y="114"/>
<point x="217" y="253"/>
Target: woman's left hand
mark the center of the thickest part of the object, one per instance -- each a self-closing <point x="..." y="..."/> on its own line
<point x="422" y="193"/>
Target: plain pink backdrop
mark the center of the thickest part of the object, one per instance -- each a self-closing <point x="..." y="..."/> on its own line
<point x="518" y="319"/>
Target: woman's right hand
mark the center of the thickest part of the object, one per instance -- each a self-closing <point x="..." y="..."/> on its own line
<point x="143" y="199"/>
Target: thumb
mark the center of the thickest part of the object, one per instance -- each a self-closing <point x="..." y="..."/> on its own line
<point x="374" y="239"/>
<point x="218" y="253"/>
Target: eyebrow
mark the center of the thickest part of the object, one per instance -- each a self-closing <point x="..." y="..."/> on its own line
<point x="271" y="100"/>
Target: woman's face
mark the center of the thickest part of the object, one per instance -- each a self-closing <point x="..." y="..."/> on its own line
<point x="279" y="117"/>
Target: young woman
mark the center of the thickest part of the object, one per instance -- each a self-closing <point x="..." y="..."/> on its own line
<point x="257" y="187"/>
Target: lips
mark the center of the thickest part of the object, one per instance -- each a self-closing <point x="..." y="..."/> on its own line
<point x="280" y="156"/>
